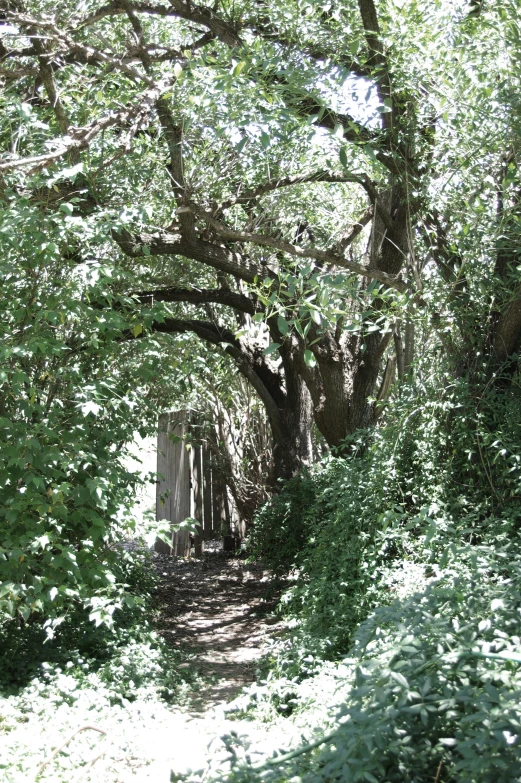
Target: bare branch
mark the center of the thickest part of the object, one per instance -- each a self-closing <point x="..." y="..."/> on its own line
<point x="174" y="138"/>
<point x="251" y="364"/>
<point x="47" y="77"/>
<point x="377" y="60"/>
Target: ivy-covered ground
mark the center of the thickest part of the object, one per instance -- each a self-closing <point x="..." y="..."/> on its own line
<point x="149" y="698"/>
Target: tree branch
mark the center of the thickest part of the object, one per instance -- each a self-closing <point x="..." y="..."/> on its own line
<point x="377" y="59"/>
<point x="164" y="243"/>
<point x="284" y="182"/>
<point x="54" y="33"/>
<point x="47" y="77"/>
<point x="328" y="257"/>
<point x="80" y="138"/>
<point x="174" y="139"/>
<point x="252" y="366"/>
<point x="356" y="229"/>
<point x="198" y="14"/>
<point x="265" y="29"/>
<point x="306" y="105"/>
<point x="224" y="296"/>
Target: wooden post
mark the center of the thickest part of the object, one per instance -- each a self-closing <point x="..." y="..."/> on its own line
<point x="162" y="494"/>
<point x="197" y="495"/>
<point x="207" y="494"/>
<point x="173" y="491"/>
<point x="218" y="505"/>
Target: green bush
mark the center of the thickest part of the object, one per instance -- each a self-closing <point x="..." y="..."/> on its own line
<point x="432" y="685"/>
<point x="66" y="408"/>
<point x="283" y="525"/>
<point x="439" y="472"/>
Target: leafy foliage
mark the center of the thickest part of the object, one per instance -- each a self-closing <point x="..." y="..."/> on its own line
<point x="65" y="408"/>
<point x="86" y="675"/>
<point x="284" y="524"/>
<point x="355" y="528"/>
<point x="431" y="683"/>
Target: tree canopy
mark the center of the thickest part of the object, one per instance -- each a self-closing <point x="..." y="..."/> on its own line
<point x="321" y="192"/>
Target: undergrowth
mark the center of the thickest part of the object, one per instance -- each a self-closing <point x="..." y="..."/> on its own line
<point x="85" y="675"/>
<point x="404" y="648"/>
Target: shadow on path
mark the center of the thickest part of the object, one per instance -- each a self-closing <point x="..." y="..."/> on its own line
<point x="216" y="607"/>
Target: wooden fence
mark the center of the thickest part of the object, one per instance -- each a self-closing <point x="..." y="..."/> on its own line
<point x="190" y="486"/>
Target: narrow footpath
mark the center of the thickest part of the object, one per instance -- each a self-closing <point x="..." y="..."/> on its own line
<point x="218" y="608"/>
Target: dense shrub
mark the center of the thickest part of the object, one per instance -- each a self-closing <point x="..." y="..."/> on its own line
<point x="432" y="684"/>
<point x="283" y="526"/>
<point x="441" y="471"/>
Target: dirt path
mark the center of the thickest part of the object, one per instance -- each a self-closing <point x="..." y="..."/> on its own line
<point x="216" y="607"/>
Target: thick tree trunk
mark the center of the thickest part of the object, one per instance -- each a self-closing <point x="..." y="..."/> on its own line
<point x="343" y="387"/>
<point x="292" y="447"/>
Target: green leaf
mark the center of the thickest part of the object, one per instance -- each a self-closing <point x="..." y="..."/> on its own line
<point x="282" y="325"/>
<point x="271" y="349"/>
<point x="369" y="151"/>
<point x="265" y="140"/>
<point x="315" y="315"/>
<point x="309" y="358"/>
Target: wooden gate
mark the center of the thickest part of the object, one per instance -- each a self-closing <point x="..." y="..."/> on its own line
<point x="189" y="486"/>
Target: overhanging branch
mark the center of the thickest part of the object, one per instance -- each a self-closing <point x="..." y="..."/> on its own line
<point x="299" y="251"/>
<point x="252" y="365"/>
<point x="191" y="12"/>
<point x="222" y="296"/>
<point x="80" y="138"/>
<point x="284" y="182"/>
<point x="164" y="243"/>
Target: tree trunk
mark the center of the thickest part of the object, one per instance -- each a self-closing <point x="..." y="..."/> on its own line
<point x="292" y="446"/>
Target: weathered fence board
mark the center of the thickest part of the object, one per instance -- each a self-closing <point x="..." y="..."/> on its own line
<point x="188" y="486"/>
<point x="173" y="490"/>
<point x="207" y="494"/>
<point x="197" y="496"/>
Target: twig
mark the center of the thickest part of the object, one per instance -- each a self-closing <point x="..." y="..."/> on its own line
<point x="87" y="767"/>
<point x="438" y="773"/>
<point x="61" y="747"/>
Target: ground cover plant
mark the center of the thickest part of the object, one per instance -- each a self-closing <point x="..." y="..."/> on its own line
<point x="92" y="679"/>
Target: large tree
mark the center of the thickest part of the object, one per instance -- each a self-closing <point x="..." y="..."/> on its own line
<point x="288" y="182"/>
